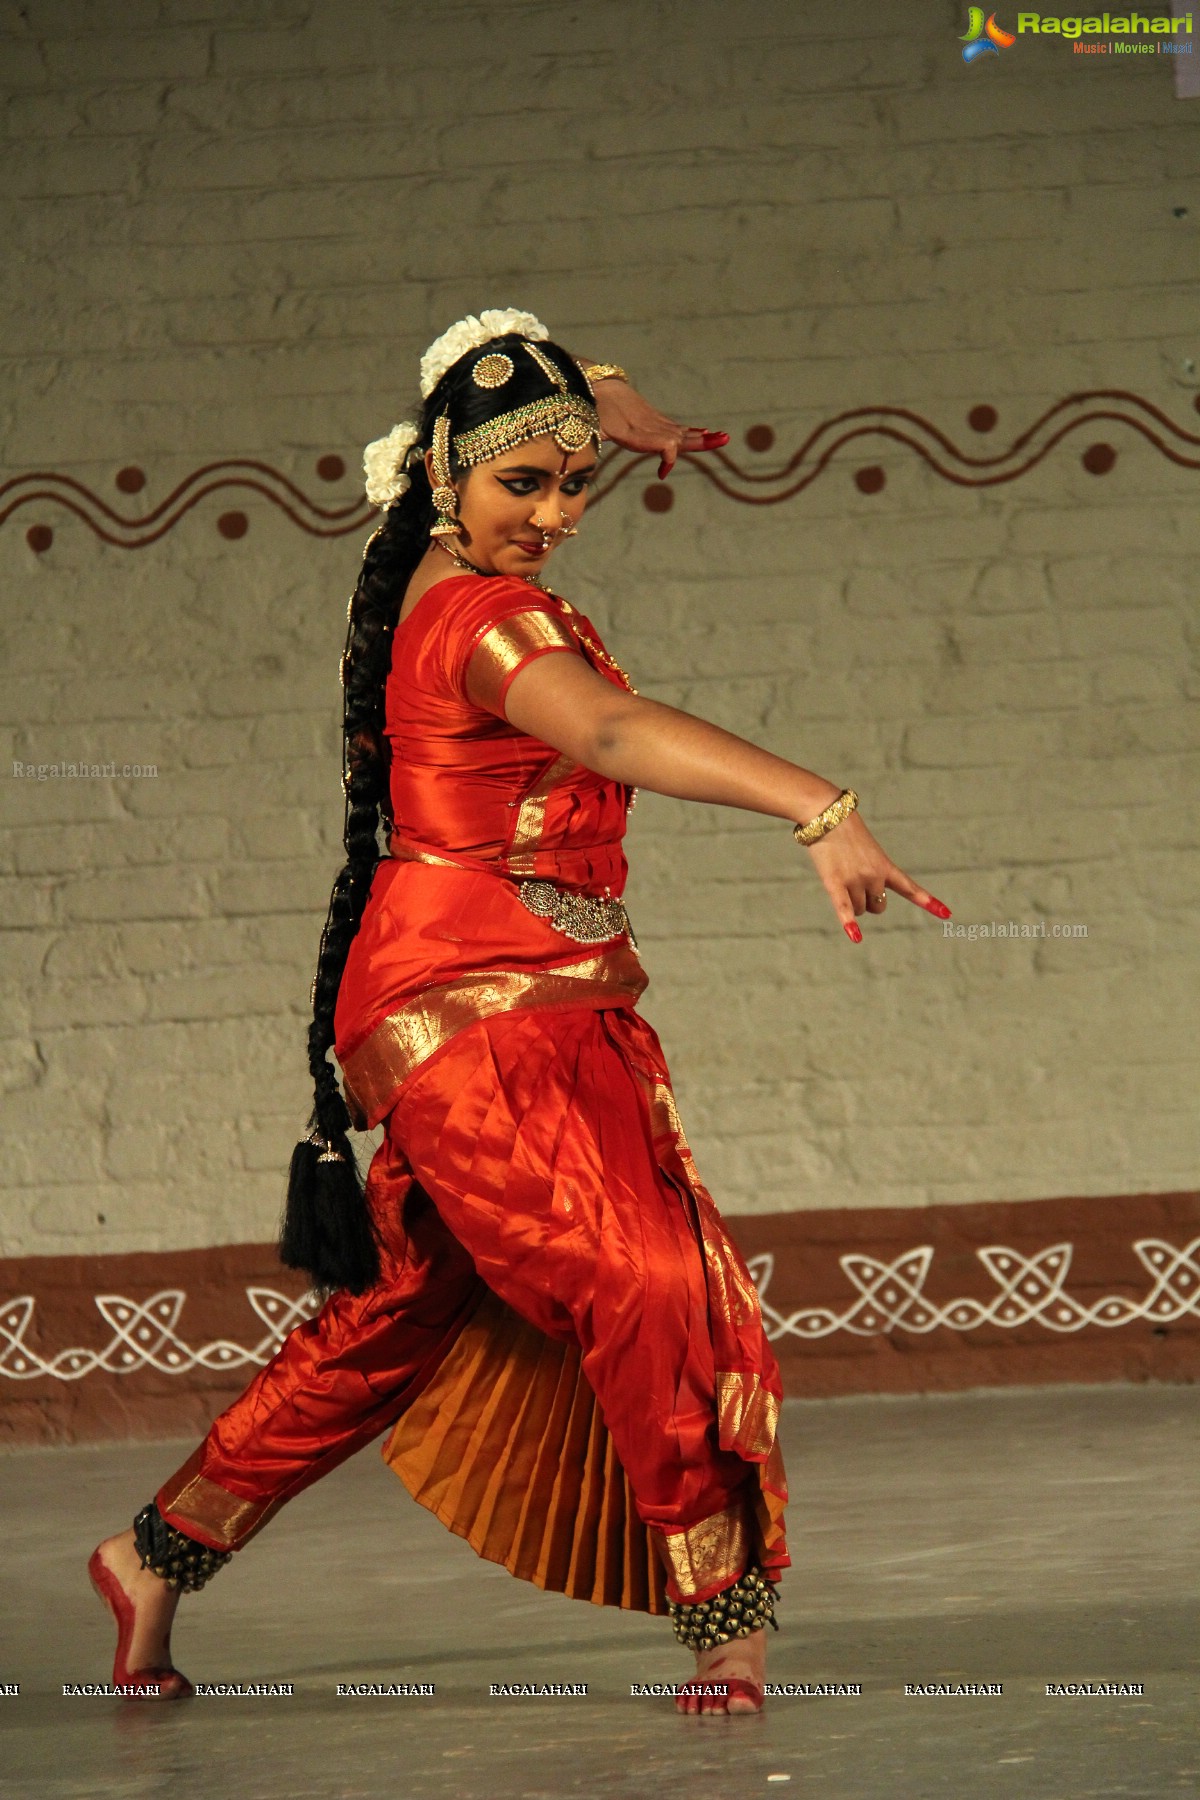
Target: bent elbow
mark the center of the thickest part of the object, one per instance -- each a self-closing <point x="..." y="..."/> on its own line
<point x="609" y="743"/>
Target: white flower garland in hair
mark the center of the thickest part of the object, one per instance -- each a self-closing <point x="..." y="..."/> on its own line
<point x="383" y="465"/>
<point x="468" y="334"/>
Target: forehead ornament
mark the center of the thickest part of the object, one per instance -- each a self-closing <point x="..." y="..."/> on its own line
<point x="570" y="421"/>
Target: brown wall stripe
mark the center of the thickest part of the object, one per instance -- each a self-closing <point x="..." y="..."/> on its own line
<point x="871" y="1300"/>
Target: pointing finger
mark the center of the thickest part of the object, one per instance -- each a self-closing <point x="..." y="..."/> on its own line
<point x="905" y="886"/>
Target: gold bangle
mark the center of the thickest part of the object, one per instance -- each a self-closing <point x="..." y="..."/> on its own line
<point x="604" y="372"/>
<point x="824" y="822"/>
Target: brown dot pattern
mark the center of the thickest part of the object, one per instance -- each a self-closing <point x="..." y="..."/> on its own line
<point x="1098" y="459"/>
<point x="659" y="498"/>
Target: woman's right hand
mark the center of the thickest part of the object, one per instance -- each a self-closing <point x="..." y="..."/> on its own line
<point x="856" y="872"/>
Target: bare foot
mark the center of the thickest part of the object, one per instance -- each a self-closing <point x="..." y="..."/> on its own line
<point x="741" y="1660"/>
<point x="144" y="1607"/>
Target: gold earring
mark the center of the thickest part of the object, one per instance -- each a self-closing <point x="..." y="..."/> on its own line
<point x="444" y="496"/>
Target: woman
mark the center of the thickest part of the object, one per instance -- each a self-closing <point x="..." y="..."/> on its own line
<point x="535" y="1292"/>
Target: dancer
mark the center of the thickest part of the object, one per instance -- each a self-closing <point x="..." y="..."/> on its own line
<point x="535" y="1291"/>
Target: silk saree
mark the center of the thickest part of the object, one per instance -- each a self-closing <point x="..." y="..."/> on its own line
<point x="565" y="1347"/>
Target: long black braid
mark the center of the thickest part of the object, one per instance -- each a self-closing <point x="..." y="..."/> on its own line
<point x="327" y="1230"/>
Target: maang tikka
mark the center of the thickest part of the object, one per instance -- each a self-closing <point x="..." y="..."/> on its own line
<point x="444" y="496"/>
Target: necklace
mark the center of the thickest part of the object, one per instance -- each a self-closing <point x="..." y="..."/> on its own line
<point x="474" y="569"/>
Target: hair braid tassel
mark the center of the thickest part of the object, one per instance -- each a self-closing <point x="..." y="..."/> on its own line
<point x="327" y="1228"/>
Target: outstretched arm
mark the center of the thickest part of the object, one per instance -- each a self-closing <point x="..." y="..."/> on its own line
<point x="564" y="702"/>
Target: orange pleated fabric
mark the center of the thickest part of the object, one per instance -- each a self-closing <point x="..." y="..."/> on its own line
<point x="507" y="1447"/>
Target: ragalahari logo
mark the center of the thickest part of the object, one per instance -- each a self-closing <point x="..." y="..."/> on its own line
<point x="984" y="37"/>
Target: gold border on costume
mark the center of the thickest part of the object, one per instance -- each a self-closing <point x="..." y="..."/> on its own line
<point x="710" y="1555"/>
<point x="501" y="650"/>
<point x="531" y="817"/>
<point x="373" y="1074"/>
<point x="208" y="1512"/>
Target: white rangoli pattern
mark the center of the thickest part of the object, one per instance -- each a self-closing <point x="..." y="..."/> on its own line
<point x="891" y="1297"/>
<point x="1031" y="1291"/>
<point x="144" y="1336"/>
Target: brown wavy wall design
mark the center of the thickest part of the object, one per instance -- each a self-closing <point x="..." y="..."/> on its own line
<point x="841" y="439"/>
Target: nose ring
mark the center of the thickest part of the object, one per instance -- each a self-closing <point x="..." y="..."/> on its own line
<point x="564" y="528"/>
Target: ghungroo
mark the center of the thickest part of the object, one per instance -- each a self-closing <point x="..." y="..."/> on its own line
<point x="179" y="1560"/>
<point x="748" y="1605"/>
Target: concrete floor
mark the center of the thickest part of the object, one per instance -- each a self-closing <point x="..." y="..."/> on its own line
<point x="1023" y="1537"/>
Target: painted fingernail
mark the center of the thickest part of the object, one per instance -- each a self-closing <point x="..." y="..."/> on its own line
<point x="938" y="909"/>
<point x="713" y="440"/>
<point x="852" y="932"/>
<point x="664" y="469"/>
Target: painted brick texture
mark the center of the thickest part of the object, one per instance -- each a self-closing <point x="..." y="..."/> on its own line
<point x="231" y="230"/>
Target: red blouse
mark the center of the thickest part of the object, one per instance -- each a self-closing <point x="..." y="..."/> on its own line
<point x="478" y="807"/>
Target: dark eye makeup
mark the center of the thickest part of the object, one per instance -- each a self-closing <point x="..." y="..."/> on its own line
<point x="528" y="484"/>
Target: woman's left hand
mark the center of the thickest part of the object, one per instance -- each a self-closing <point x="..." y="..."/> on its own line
<point x="856" y="872"/>
<point x="634" y="424"/>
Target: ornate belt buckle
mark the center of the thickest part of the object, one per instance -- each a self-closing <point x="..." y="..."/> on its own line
<point x="584" y="918"/>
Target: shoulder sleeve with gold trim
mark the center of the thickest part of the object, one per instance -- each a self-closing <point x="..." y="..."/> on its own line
<point x="503" y="649"/>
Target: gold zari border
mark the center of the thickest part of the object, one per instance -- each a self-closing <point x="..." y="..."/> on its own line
<point x="531" y="818"/>
<point x="707" y="1557"/>
<point x="503" y="648"/>
<point x="374" y="1073"/>
<point x="749" y="1414"/>
<point x="202" y="1509"/>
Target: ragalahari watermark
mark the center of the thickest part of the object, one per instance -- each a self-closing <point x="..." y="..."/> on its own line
<point x="1013" y="928"/>
<point x="80" y="771"/>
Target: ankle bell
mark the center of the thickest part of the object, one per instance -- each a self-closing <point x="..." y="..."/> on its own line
<point x="747" y="1605"/>
<point x="174" y="1557"/>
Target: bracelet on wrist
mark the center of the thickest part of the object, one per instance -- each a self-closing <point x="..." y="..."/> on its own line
<point x="594" y="372"/>
<point x="824" y="822"/>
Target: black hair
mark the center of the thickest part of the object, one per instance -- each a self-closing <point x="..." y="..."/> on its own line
<point x="326" y="1228"/>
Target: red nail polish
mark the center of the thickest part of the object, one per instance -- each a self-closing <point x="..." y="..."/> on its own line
<point x="938" y="909"/>
<point x="664" y="469"/>
<point x="852" y="932"/>
<point x="713" y="440"/>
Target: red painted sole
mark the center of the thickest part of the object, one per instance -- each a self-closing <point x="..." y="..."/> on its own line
<point x="145" y="1684"/>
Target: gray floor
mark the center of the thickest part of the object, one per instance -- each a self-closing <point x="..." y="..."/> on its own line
<point x="1026" y="1537"/>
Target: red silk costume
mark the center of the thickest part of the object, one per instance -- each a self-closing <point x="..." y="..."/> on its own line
<point x="567" y="1345"/>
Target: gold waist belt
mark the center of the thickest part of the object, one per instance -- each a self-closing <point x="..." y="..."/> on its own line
<point x="584" y="918"/>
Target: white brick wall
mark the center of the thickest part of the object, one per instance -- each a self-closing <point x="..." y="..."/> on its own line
<point x="232" y="227"/>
